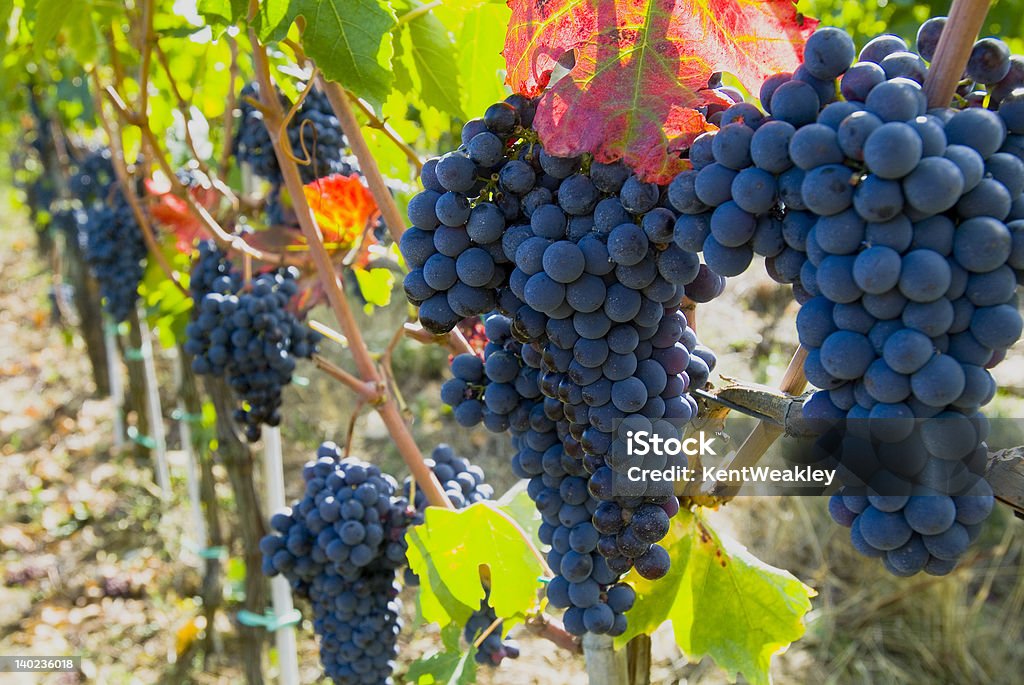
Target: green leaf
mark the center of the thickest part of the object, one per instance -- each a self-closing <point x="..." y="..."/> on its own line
<point x="479" y="40"/>
<point x="516" y="503"/>
<point x="274" y="18"/>
<point x="6" y="8"/>
<point x="375" y="285"/>
<point x="450" y="666"/>
<point x="447" y="551"/>
<point x="428" y="45"/>
<point x="50" y="15"/>
<point x="351" y="43"/>
<point x="722" y="601"/>
<point x="223" y="12"/>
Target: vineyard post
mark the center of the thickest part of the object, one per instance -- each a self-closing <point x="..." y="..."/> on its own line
<point x="605" y="665"/>
<point x="280" y="590"/>
<point x="56" y="164"/>
<point x="212" y="592"/>
<point x="237" y="458"/>
<point x="156" y="419"/>
<point x="114" y="379"/>
<point x="184" y="419"/>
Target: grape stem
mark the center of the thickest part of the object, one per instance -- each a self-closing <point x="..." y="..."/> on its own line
<point x="455" y="340"/>
<point x="367" y="392"/>
<point x="339" y="100"/>
<point x="965" y="20"/>
<point x="764" y="434"/>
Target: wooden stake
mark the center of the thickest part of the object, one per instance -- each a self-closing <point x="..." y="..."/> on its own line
<point x="958" y="36"/>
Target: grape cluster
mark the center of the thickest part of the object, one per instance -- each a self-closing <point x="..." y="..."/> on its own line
<point x="93" y="175"/>
<point x="464" y="485"/>
<point x="116" y="253"/>
<point x="313" y="124"/>
<point x="247" y="335"/>
<point x="579" y="259"/>
<point x="897" y="225"/>
<point x="340" y="546"/>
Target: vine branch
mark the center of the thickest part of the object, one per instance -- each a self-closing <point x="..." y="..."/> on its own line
<point x="128" y="190"/>
<point x="339" y="100"/>
<point x="388" y="410"/>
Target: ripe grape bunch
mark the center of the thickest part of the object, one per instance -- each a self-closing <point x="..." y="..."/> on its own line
<point x="93" y="176"/>
<point x="340" y="547"/>
<point x="579" y="257"/>
<point x="314" y="130"/>
<point x="116" y="253"/>
<point x="246" y="335"/>
<point x="464" y="485"/>
<point x="900" y="228"/>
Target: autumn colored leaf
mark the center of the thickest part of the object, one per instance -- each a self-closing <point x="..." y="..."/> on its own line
<point x="343" y="207"/>
<point x="171" y="211"/>
<point x="641" y="69"/>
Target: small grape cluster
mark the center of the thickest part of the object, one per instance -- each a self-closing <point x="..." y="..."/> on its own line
<point x="497" y="390"/>
<point x="898" y="227"/>
<point x="116" y="254"/>
<point x="249" y="336"/>
<point x="464" y="485"/>
<point x="314" y="130"/>
<point x="463" y="482"/>
<point x="340" y="546"/>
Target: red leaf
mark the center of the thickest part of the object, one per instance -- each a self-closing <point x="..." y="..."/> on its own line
<point x="174" y="213"/>
<point x="343" y="207"/>
<point x="642" y="68"/>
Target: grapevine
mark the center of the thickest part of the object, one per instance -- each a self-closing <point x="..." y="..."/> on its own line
<point x="563" y="243"/>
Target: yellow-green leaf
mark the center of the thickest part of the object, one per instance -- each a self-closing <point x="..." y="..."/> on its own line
<point x="722" y="601"/>
<point x="447" y="551"/>
<point x="50" y="15"/>
<point x="375" y="285"/>
<point x="274" y="18"/>
<point x="450" y="666"/>
<point x="428" y="47"/>
<point x="223" y="12"/>
<point x="479" y="30"/>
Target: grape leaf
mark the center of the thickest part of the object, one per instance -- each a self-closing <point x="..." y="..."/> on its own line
<point x="641" y="67"/>
<point x="172" y="212"/>
<point x="222" y="12"/>
<point x="447" y="551"/>
<point x="350" y="40"/>
<point x="50" y="15"/>
<point x="451" y="666"/>
<point x="722" y="601"/>
<point x="375" y="285"/>
<point x="342" y="205"/>
<point x="428" y="52"/>
<point x="273" y="19"/>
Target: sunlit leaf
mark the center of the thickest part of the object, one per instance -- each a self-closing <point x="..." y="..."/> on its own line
<point x="641" y="67"/>
<point x="351" y="43"/>
<point x="447" y="551"/>
<point x="722" y="601"/>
